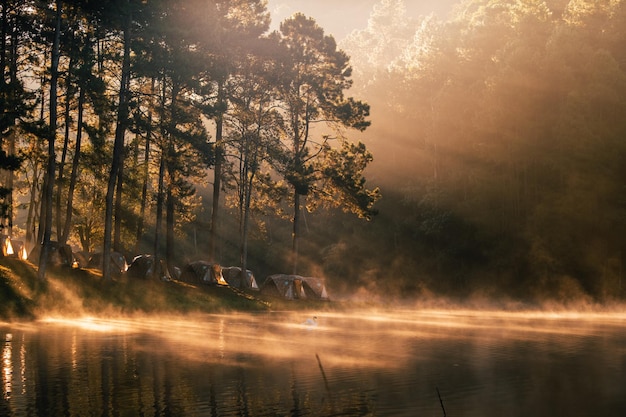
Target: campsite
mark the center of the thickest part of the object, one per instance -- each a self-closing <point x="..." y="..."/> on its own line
<point x="76" y="287"/>
<point x="144" y="266"/>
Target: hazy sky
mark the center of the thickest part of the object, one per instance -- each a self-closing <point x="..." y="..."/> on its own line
<point x="340" y="17"/>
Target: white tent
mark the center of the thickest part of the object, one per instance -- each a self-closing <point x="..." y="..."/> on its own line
<point x="294" y="287"/>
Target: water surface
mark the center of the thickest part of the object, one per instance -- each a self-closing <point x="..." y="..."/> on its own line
<point x="384" y="363"/>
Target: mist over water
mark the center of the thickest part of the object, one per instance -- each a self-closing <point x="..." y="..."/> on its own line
<point x="368" y="362"/>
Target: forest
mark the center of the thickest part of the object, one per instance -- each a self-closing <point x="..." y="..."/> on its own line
<point x="113" y="112"/>
<point x="479" y="155"/>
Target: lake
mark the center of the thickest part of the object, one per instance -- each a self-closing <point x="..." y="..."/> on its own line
<point x="374" y="363"/>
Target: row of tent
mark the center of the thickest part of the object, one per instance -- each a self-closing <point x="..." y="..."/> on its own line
<point x="198" y="272"/>
<point x="290" y="287"/>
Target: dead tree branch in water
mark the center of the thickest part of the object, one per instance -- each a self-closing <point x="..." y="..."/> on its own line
<point x="330" y="398"/>
<point x="441" y="402"/>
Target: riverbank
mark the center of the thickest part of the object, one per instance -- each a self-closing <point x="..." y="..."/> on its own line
<point x="79" y="292"/>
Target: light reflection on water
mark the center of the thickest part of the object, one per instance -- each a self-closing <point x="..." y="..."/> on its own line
<point x="7" y="369"/>
<point x="376" y="363"/>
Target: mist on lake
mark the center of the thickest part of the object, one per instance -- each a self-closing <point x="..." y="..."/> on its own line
<point x="358" y="363"/>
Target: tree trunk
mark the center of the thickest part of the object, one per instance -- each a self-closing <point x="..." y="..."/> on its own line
<point x="49" y="189"/>
<point x="85" y="238"/>
<point x="38" y="219"/>
<point x="296" y="231"/>
<point x="9" y="185"/>
<point x="69" y="93"/>
<point x="42" y="207"/>
<point x="75" y="166"/>
<point x="118" y="150"/>
<point x="169" y="229"/>
<point x="170" y="205"/>
<point x="117" y="229"/>
<point x="12" y="136"/>
<point x="31" y="218"/>
<point x="4" y="26"/>
<point x="297" y="152"/>
<point x="217" y="180"/>
<point x="245" y="226"/>
<point x="159" y="213"/>
<point x="146" y="165"/>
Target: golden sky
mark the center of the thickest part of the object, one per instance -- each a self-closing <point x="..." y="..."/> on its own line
<point x="340" y="17"/>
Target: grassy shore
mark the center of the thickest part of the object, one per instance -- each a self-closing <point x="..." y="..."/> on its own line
<point x="79" y="292"/>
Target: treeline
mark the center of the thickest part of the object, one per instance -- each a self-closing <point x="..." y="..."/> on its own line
<point x="113" y="111"/>
<point x="500" y="143"/>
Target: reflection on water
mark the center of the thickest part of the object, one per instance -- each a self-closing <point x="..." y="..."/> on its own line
<point x="402" y="363"/>
<point x="7" y="369"/>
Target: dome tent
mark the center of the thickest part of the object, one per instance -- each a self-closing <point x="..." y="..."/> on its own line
<point x="294" y="287"/>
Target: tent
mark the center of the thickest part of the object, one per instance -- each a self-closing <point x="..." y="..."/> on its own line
<point x="201" y="272"/>
<point x="142" y="266"/>
<point x="82" y="258"/>
<point x="7" y="246"/>
<point x="13" y="248"/>
<point x="20" y="249"/>
<point x="315" y="288"/>
<point x="232" y="275"/>
<point x="293" y="287"/>
<point x="58" y="254"/>
<point x="118" y="262"/>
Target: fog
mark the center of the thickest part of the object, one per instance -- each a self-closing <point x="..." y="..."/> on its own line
<point x="384" y="362"/>
<point x="497" y="142"/>
<point x="360" y="337"/>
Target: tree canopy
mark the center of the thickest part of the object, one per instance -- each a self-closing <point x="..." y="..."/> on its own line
<point x="142" y="101"/>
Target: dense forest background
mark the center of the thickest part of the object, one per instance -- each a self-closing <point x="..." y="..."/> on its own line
<point x="497" y="142"/>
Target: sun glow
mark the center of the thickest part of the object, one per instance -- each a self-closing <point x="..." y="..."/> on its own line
<point x="89" y="323"/>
